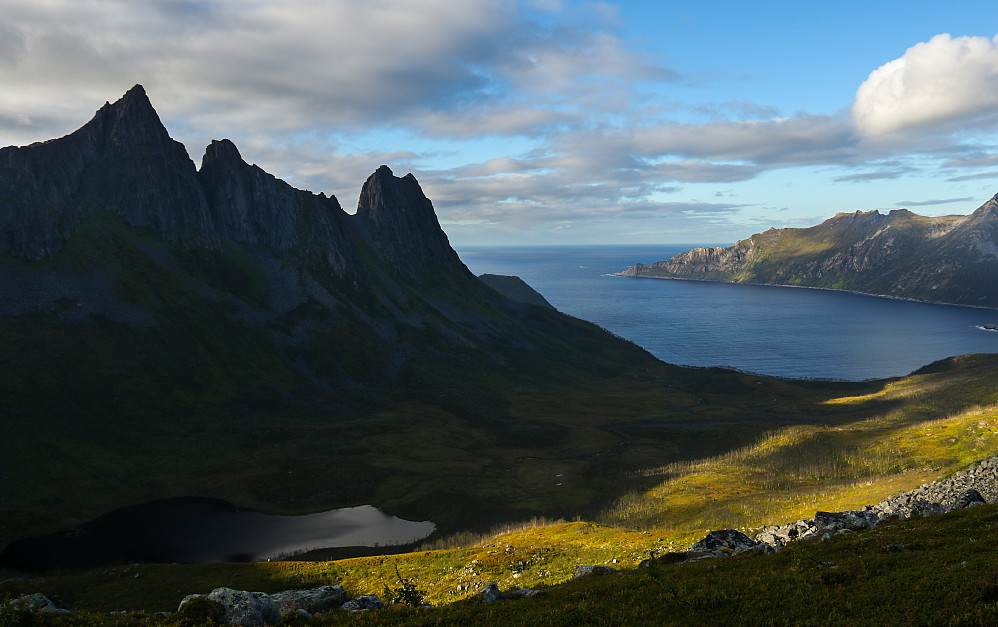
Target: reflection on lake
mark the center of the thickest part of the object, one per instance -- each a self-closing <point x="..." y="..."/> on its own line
<point x="201" y="530"/>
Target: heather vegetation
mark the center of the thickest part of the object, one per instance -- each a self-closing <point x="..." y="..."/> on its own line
<point x="939" y="422"/>
<point x="930" y="424"/>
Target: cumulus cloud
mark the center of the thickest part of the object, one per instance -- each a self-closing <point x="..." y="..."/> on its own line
<point x="945" y="81"/>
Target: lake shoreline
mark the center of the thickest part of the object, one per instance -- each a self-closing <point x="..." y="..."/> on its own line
<point x="809" y="287"/>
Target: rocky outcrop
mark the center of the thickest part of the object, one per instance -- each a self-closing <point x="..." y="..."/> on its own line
<point x="312" y="601"/>
<point x="976" y="486"/>
<point x="491" y="593"/>
<point x="951" y="259"/>
<point x="588" y="570"/>
<point x="971" y="488"/>
<point x="36" y="602"/>
<point x="714" y="263"/>
<point x="403" y="228"/>
<point x="363" y="603"/>
<point x="239" y="607"/>
<point x="728" y="541"/>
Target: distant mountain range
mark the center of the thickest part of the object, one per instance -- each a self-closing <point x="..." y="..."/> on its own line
<point x="948" y="259"/>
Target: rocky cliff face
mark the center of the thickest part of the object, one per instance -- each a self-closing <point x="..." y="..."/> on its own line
<point x="250" y="206"/>
<point x="404" y="229"/>
<point x="951" y="259"/>
<point x="350" y="299"/>
<point x="123" y="161"/>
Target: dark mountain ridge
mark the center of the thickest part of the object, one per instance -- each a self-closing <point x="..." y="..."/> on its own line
<point x="160" y="324"/>
<point x="948" y="259"/>
<point x="123" y="160"/>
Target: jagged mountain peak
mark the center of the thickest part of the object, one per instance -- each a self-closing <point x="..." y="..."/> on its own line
<point x="403" y="224"/>
<point x="137" y="92"/>
<point x="134" y="98"/>
<point x="386" y="198"/>
<point x="988" y="209"/>
<point x="124" y="161"/>
<point x="221" y="150"/>
<point x="131" y="119"/>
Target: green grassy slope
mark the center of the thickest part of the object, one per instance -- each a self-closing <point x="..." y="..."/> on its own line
<point x="863" y="442"/>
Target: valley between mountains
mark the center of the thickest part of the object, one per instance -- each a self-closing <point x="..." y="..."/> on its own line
<point x="168" y="330"/>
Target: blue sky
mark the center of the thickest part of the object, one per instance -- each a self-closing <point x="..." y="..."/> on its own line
<point x="548" y="121"/>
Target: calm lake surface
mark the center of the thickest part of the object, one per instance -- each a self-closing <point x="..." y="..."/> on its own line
<point x="779" y="331"/>
<point x="193" y="530"/>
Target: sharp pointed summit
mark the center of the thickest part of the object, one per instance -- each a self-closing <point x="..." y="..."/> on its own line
<point x="403" y="224"/>
<point x="122" y="161"/>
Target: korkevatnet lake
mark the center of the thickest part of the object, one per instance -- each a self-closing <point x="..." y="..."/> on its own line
<point x="781" y="331"/>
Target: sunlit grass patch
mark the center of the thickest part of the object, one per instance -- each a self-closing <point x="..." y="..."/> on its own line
<point x="793" y="472"/>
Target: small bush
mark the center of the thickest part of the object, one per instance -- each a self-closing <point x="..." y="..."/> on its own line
<point x="17" y="613"/>
<point x="406" y="592"/>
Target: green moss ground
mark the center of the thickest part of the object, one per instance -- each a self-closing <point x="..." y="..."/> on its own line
<point x="936" y="570"/>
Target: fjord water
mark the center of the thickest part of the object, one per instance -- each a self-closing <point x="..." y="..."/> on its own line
<point x="781" y="331"/>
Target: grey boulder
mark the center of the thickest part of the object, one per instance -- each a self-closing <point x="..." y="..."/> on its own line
<point x="249" y="609"/>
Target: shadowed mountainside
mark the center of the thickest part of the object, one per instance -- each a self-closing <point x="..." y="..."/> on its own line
<point x="161" y="325"/>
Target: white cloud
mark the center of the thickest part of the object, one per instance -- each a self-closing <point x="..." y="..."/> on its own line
<point x="938" y="83"/>
<point x="798" y="140"/>
<point x="299" y="65"/>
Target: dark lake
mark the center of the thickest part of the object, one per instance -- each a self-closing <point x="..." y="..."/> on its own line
<point x="201" y="530"/>
<point x="780" y="331"/>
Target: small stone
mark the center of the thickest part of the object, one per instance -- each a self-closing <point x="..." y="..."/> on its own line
<point x="586" y="570"/>
<point x="363" y="603"/>
<point x="968" y="498"/>
<point x="491" y="593"/>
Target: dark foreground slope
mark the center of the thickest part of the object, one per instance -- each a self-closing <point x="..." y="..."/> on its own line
<point x="950" y="259"/>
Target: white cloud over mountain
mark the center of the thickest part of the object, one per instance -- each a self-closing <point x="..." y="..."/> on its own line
<point x="936" y="84"/>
